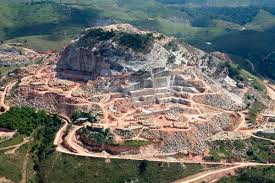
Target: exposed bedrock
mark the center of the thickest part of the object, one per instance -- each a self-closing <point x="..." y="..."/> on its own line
<point x="83" y="62"/>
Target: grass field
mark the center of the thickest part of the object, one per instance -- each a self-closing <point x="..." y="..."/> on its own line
<point x="61" y="168"/>
<point x="11" y="165"/>
<point x="44" y="42"/>
<point x="6" y="70"/>
<point x="252" y="175"/>
<point x="13" y="141"/>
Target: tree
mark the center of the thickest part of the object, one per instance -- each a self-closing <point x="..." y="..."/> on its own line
<point x="143" y="166"/>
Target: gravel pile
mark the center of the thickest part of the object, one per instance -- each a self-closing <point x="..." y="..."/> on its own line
<point x="228" y="136"/>
<point x="219" y="101"/>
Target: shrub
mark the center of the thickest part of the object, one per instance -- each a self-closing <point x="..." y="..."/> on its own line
<point x="23" y="119"/>
<point x="98" y="137"/>
<point x="138" y="42"/>
<point x="249" y="96"/>
<point x="172" y="45"/>
<point x="95" y="35"/>
<point x="99" y="34"/>
<point x="171" y="59"/>
<point x="135" y="143"/>
<point x="254" y="110"/>
<point x="142" y="166"/>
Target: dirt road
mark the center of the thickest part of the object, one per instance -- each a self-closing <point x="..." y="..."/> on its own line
<point x="71" y="140"/>
<point x="15" y="147"/>
<point x="83" y="152"/>
<point x="60" y="132"/>
<point x="214" y="174"/>
<point x="270" y="89"/>
<point x="262" y="138"/>
<point x="3" y="96"/>
<point x="242" y="123"/>
<point x="24" y="168"/>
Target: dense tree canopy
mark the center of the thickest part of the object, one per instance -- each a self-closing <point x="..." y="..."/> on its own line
<point x="25" y="119"/>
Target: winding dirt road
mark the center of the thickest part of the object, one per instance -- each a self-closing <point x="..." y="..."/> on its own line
<point x="242" y="123"/>
<point x="60" y="132"/>
<point x="210" y="175"/>
<point x="15" y="147"/>
<point x="270" y="89"/>
<point x="4" y="93"/>
<point x="262" y="138"/>
<point x="24" y="168"/>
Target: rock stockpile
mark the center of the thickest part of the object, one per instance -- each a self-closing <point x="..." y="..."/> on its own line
<point x="12" y="55"/>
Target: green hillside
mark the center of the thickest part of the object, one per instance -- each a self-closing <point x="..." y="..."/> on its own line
<point x="262" y="21"/>
<point x="221" y="3"/>
<point x="255" y="46"/>
<point x="60" y="168"/>
<point x="262" y="174"/>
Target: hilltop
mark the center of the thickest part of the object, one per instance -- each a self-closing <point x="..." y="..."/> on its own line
<point x="151" y="91"/>
<point x="120" y="48"/>
<point x="129" y="94"/>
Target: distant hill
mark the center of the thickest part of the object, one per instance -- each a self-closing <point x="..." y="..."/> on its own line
<point x="262" y="21"/>
<point x="222" y="3"/>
